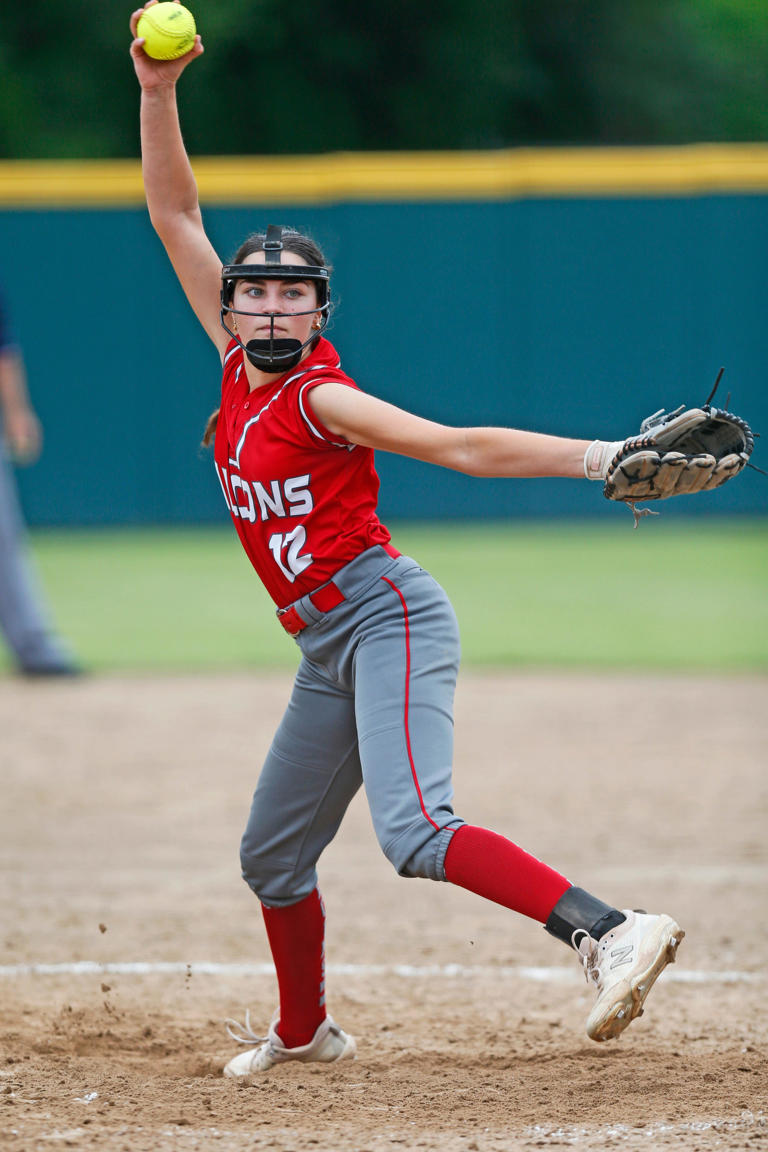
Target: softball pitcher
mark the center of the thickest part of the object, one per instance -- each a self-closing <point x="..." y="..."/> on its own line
<point x="372" y="704"/>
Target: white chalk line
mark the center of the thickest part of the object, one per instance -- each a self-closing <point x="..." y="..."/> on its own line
<point x="577" y="1135"/>
<point x="539" y="975"/>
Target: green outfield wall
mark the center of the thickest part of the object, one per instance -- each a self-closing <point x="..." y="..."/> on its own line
<point x="570" y="291"/>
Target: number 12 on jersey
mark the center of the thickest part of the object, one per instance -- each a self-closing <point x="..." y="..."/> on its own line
<point x="290" y="543"/>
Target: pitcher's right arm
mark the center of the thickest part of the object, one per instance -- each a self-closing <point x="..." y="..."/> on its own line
<point x="170" y="186"/>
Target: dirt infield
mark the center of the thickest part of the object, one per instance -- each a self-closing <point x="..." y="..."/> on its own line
<point x="124" y="923"/>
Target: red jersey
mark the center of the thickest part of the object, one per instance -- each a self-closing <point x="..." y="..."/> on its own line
<point x="303" y="500"/>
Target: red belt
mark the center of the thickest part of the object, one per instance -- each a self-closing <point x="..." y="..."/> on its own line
<point x="327" y="597"/>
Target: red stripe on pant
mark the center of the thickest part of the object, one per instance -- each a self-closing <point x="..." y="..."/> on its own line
<point x="407" y="701"/>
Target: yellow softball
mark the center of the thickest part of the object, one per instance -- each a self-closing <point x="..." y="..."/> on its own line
<point x="168" y="30"/>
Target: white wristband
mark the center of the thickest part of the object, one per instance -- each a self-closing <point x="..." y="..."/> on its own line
<point x="598" y="456"/>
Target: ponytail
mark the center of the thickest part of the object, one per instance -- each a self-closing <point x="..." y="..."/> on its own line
<point x="210" y="428"/>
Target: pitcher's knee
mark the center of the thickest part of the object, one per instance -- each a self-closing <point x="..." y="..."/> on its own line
<point x="254" y="869"/>
<point x="275" y="882"/>
<point x="427" y="859"/>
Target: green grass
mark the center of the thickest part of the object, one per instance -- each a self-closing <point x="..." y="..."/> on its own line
<point x="672" y="595"/>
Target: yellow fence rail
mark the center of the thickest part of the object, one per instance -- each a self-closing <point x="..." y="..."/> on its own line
<point x="696" y="169"/>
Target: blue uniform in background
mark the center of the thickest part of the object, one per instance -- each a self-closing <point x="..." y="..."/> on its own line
<point x="23" y="618"/>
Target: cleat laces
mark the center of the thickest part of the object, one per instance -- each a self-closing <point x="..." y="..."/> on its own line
<point x="243" y="1033"/>
<point x="588" y="957"/>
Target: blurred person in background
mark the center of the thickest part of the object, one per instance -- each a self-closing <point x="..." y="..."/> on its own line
<point x="36" y="648"/>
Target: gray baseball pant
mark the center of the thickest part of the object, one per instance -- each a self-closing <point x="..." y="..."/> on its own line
<point x="372" y="704"/>
<point x="22" y="617"/>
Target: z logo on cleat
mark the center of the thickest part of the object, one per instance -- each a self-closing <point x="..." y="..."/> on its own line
<point x="622" y="956"/>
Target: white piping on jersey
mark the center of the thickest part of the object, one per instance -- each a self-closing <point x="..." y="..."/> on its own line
<point x="336" y="443"/>
<point x="254" y="419"/>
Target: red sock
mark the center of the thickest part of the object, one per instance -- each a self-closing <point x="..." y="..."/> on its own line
<point x="497" y="869"/>
<point x="296" y="935"/>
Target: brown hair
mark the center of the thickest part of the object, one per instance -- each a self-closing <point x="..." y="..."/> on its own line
<point x="296" y="242"/>
<point x="210" y="427"/>
<point x="293" y="241"/>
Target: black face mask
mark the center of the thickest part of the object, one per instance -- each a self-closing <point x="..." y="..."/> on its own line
<point x="275" y="354"/>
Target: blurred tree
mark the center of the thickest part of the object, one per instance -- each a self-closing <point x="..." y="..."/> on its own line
<point x="300" y="77"/>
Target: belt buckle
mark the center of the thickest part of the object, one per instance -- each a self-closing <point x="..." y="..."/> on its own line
<point x="290" y="620"/>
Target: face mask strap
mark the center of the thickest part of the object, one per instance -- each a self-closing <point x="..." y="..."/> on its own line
<point x="273" y="244"/>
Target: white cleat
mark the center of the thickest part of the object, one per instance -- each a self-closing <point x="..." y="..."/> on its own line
<point x="328" y="1045"/>
<point x="624" y="964"/>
